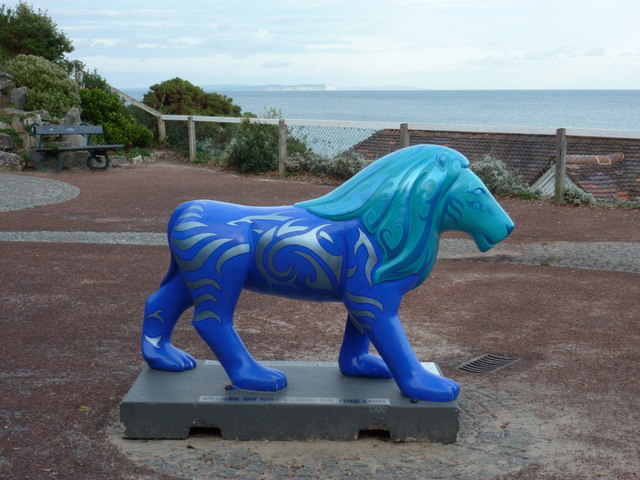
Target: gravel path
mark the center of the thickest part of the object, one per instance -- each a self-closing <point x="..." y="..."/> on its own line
<point x="18" y="192"/>
<point x="608" y="256"/>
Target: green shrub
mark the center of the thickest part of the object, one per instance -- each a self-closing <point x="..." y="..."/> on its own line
<point x="49" y="86"/>
<point x="576" y="196"/>
<point x="107" y="109"/>
<point x="254" y="148"/>
<point x="346" y="165"/>
<point x="499" y="179"/>
<point x="17" y="139"/>
<point x="341" y="167"/>
<point x="138" y="151"/>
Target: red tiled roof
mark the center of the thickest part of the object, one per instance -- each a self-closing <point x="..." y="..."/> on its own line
<point x="604" y="167"/>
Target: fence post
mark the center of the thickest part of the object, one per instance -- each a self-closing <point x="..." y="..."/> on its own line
<point x="404" y="135"/>
<point x="561" y="165"/>
<point x="192" y="139"/>
<point x="162" y="128"/>
<point x="282" y="147"/>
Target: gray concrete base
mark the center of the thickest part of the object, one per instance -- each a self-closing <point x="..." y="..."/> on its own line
<point x="319" y="403"/>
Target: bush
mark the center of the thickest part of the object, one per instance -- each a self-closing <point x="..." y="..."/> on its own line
<point x="499" y="179"/>
<point x="576" y="196"/>
<point x="254" y="148"/>
<point x="341" y="167"/>
<point x="49" y="86"/>
<point x="107" y="109"/>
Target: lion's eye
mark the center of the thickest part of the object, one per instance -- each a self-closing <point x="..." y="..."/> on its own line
<point x="478" y="191"/>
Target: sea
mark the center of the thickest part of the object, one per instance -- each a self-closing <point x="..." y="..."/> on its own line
<point x="593" y="109"/>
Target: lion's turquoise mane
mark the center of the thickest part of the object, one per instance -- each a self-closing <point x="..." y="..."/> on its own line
<point x="396" y="199"/>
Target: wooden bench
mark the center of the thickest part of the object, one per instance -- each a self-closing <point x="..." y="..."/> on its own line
<point x="50" y="159"/>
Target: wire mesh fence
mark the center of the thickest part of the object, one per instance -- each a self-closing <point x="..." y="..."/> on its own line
<point x="338" y="149"/>
<point x="211" y="138"/>
<point x="328" y="141"/>
<point x="177" y="136"/>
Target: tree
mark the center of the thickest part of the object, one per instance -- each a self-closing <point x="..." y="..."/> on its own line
<point x="180" y="97"/>
<point x="25" y="31"/>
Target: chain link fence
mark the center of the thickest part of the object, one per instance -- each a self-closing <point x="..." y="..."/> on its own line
<point x="315" y="147"/>
<point x="330" y="150"/>
<point x="211" y="139"/>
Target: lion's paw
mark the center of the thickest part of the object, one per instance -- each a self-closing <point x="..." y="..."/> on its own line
<point x="366" y="365"/>
<point x="429" y="387"/>
<point x="164" y="356"/>
<point x="258" y="377"/>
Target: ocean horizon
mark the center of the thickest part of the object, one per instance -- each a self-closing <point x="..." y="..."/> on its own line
<point x="596" y="109"/>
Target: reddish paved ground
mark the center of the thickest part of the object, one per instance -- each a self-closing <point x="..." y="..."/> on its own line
<point x="70" y="332"/>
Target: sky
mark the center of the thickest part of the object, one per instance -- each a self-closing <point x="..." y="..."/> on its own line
<point x="368" y="44"/>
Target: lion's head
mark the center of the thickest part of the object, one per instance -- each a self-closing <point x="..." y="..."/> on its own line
<point x="398" y="200"/>
<point x="469" y="207"/>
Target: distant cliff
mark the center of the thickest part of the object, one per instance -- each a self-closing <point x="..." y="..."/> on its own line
<point x="272" y="88"/>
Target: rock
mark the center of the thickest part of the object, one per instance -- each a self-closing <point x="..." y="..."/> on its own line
<point x="43" y="114"/>
<point x="73" y="118"/>
<point x="28" y="116"/>
<point x="6" y="142"/>
<point x="18" y="97"/>
<point x="10" y="162"/>
<point x="15" y="112"/>
<point x="22" y="123"/>
<point x="17" y="125"/>
<point x="4" y="126"/>
<point x="6" y="81"/>
<point x="119" y="161"/>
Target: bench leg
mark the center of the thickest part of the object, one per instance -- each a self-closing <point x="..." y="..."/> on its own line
<point x="94" y="162"/>
<point x="49" y="162"/>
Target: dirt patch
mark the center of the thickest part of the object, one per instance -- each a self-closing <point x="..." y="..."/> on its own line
<point x="70" y="346"/>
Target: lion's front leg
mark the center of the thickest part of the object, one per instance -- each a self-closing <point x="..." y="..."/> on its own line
<point x="413" y="379"/>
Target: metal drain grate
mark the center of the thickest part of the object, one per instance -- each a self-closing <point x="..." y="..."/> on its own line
<point x="486" y="363"/>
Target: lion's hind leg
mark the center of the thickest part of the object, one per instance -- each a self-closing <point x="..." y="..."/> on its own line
<point x="215" y="300"/>
<point x="162" y="311"/>
<point x="354" y="359"/>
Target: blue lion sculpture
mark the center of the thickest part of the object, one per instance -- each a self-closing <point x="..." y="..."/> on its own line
<point x="366" y="244"/>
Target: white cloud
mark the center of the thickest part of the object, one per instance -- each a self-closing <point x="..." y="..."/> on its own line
<point x="107" y="42"/>
<point x="187" y="41"/>
<point x="418" y="43"/>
